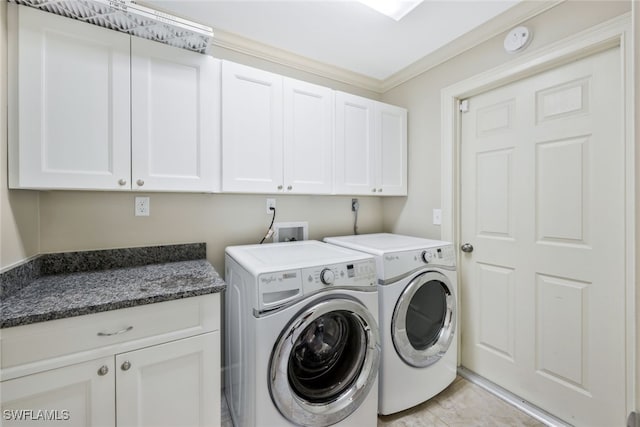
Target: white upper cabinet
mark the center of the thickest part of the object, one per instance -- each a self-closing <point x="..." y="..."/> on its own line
<point x="308" y="138"/>
<point x="355" y="145"/>
<point x="93" y="108"/>
<point x="174" y="117"/>
<point x="276" y="133"/>
<point x="251" y="130"/>
<point x="391" y="149"/>
<point x="69" y="125"/>
<point x="371" y="147"/>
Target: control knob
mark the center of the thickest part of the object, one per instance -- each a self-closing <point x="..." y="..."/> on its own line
<point x="327" y="276"/>
<point x="427" y="256"/>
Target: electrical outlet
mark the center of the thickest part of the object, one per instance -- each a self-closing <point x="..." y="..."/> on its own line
<point x="271" y="203"/>
<point x="142" y="206"/>
<point x="355" y="205"/>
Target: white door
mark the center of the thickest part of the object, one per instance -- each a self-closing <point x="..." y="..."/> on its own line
<point x="391" y="150"/>
<point x="175" y="118"/>
<point x="308" y="138"/>
<point x="542" y="203"/>
<point x="173" y="384"/>
<point x="80" y="395"/>
<point x="355" y="156"/>
<point x="71" y="126"/>
<point x="251" y="130"/>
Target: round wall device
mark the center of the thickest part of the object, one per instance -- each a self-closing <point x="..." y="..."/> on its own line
<point x="517" y="39"/>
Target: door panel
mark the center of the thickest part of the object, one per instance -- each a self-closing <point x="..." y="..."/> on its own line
<point x="542" y="202"/>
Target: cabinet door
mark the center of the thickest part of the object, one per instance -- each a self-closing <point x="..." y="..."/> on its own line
<point x="69" y="125"/>
<point x="251" y="130"/>
<point x="77" y="395"/>
<point x="355" y="145"/>
<point x="308" y="138"/>
<point x="175" y="118"/>
<point x="391" y="150"/>
<point x="173" y="384"/>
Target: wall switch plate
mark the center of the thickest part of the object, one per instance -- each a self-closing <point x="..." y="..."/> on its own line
<point x="142" y="206"/>
<point x="271" y="203"/>
<point x="437" y="217"/>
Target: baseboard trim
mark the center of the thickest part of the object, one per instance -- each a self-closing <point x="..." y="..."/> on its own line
<point x="526" y="407"/>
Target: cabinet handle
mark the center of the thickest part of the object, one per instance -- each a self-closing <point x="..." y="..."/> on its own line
<point x="373" y="190"/>
<point x="122" y="181"/>
<point x="104" y="370"/>
<point x="379" y="190"/>
<point x="140" y="182"/>
<point x="279" y="187"/>
<point x="126" y="365"/>
<point x="109" y="334"/>
<point x="289" y="188"/>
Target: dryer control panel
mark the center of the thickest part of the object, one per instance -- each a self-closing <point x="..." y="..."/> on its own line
<point x="398" y="263"/>
<point x="443" y="256"/>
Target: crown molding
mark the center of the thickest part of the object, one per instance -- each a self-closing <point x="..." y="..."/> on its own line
<point x="517" y="14"/>
<point x="234" y="42"/>
<point x="521" y="12"/>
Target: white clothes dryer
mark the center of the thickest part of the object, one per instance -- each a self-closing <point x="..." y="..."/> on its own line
<point x="417" y="288"/>
<point x="302" y="341"/>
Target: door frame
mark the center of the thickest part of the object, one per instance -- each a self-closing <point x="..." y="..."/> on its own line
<point x="616" y="32"/>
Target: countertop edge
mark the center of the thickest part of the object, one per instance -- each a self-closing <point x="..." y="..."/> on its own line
<point x="100" y="308"/>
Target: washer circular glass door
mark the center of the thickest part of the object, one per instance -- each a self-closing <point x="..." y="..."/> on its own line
<point x="424" y="319"/>
<point x="325" y="362"/>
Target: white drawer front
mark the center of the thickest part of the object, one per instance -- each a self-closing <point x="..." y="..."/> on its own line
<point x="166" y="321"/>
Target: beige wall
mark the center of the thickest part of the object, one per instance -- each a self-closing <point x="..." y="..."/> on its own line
<point x="18" y="209"/>
<point x="421" y="95"/>
<point x="74" y="220"/>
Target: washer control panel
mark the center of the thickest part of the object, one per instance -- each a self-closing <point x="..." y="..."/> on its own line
<point x="348" y="274"/>
<point x="278" y="288"/>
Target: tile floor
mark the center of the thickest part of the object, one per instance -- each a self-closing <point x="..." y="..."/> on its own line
<point x="462" y="404"/>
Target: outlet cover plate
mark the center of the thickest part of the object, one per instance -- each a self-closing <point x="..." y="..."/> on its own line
<point x="142" y="206"/>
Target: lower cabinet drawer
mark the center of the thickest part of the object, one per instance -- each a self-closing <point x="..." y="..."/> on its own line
<point x="158" y="322"/>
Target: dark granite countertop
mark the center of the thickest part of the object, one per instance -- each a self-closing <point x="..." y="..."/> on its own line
<point x="50" y="293"/>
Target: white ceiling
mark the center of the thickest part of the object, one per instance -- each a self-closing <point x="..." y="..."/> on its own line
<point x="341" y="33"/>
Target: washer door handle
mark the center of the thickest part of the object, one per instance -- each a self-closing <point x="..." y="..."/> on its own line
<point x="467" y="247"/>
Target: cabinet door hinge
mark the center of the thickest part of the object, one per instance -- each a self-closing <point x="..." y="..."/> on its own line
<point x="464" y="105"/>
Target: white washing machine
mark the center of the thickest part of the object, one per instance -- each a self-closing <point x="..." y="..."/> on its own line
<point x="302" y="341"/>
<point x="417" y="288"/>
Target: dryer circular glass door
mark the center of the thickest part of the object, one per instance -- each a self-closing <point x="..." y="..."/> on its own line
<point x="424" y="319"/>
<point x="325" y="362"/>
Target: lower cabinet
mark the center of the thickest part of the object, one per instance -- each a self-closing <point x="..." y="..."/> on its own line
<point x="170" y="377"/>
<point x="172" y="384"/>
<point x="75" y="396"/>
